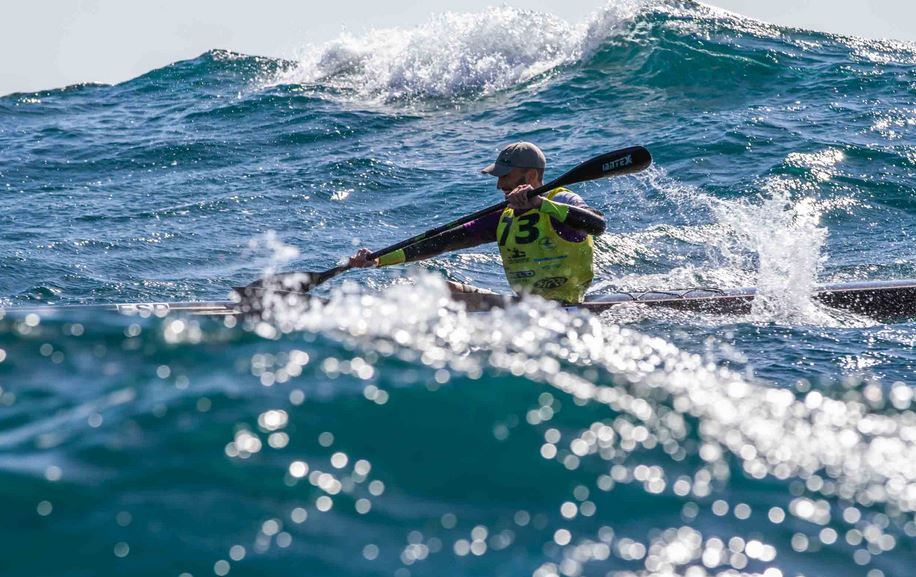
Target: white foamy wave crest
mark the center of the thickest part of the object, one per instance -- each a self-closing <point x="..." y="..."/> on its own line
<point x="453" y="54"/>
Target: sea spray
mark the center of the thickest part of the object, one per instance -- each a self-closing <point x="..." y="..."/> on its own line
<point x="774" y="241"/>
<point x="784" y="236"/>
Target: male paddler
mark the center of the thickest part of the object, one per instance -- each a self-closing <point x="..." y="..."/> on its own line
<point x="546" y="242"/>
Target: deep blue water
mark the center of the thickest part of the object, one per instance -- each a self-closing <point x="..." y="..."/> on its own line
<point x="385" y="435"/>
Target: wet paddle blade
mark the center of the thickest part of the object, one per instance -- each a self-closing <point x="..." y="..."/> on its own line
<point x="617" y="163"/>
<point x="284" y="284"/>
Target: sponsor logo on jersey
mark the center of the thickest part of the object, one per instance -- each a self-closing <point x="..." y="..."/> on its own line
<point x="558" y="266"/>
<point x="547" y="243"/>
<point x="550" y="258"/>
<point x="551" y="282"/>
<point x="523" y="274"/>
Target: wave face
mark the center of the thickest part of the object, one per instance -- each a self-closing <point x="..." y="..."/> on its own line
<point x="387" y="432"/>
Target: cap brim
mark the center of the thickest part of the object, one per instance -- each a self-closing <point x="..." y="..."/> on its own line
<point x="497" y="169"/>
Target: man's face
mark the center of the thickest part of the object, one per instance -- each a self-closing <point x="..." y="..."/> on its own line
<point x="516" y="178"/>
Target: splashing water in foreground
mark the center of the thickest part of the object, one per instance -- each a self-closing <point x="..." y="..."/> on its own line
<point x="673" y="425"/>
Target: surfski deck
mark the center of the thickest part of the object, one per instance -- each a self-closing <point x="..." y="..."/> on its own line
<point x="882" y="300"/>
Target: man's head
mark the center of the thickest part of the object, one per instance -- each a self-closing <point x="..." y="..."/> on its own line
<point x="518" y="164"/>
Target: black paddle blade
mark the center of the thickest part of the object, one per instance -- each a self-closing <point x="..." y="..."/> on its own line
<point x="619" y="162"/>
<point x="283" y="284"/>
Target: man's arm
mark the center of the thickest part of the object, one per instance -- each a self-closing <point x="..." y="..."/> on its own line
<point x="454" y="239"/>
<point x="580" y="218"/>
<point x="476" y="232"/>
<point x="572" y="217"/>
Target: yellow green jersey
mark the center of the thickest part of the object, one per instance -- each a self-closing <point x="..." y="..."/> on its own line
<point x="538" y="259"/>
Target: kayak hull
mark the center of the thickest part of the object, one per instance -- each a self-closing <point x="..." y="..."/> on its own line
<point x="882" y="300"/>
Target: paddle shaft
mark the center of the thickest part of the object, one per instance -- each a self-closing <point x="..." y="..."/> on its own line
<point x="619" y="162"/>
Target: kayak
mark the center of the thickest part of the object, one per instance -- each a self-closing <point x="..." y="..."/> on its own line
<point x="881" y="300"/>
<point x="887" y="300"/>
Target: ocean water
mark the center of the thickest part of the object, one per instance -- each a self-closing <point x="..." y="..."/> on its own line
<point x="390" y="433"/>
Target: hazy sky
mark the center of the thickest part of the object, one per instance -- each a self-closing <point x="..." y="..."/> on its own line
<point x="52" y="43"/>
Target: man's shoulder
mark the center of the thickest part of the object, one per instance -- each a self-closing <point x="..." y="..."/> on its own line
<point x="569" y="197"/>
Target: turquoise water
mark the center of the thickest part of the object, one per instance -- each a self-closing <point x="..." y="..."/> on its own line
<point x="385" y="435"/>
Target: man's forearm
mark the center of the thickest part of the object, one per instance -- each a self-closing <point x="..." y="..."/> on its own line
<point x="587" y="220"/>
<point x="454" y="239"/>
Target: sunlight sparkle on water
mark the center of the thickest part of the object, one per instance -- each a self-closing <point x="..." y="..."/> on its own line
<point x="655" y="395"/>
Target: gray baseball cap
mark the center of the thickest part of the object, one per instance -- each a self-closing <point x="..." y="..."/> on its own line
<point x="518" y="155"/>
